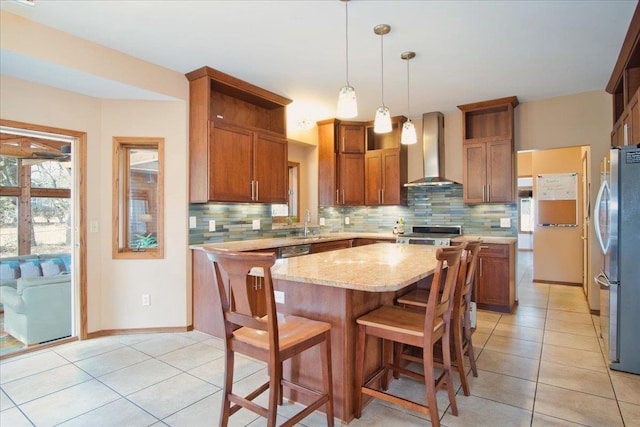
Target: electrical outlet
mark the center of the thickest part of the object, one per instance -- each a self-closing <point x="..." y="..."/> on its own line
<point x="192" y="222"/>
<point x="346" y="220"/>
<point x="321" y="221"/>
<point x="505" y="222"/>
<point x="278" y="296"/>
<point x="256" y="224"/>
<point x="94" y="226"/>
<point x="212" y="225"/>
<point x="146" y="299"/>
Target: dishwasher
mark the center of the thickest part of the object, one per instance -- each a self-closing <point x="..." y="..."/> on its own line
<point x="293" y="251"/>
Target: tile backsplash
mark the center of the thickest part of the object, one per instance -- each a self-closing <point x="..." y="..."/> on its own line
<point x="426" y="206"/>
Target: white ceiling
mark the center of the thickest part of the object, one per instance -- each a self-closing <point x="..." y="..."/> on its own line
<point x="466" y="51"/>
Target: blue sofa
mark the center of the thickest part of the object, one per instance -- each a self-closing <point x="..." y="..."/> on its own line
<point x="35" y="294"/>
<point x="13" y="268"/>
<point x="39" y="309"/>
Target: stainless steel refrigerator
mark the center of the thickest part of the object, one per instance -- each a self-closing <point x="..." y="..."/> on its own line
<point x="617" y="223"/>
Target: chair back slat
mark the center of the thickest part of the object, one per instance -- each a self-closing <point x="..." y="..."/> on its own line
<point x="444" y="280"/>
<point x="232" y="271"/>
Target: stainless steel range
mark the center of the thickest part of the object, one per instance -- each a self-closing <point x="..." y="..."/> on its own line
<point x="438" y="235"/>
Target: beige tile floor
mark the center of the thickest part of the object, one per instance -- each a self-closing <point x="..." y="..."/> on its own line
<point x="540" y="366"/>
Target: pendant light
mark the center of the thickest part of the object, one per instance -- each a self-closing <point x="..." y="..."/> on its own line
<point x="347" y="103"/>
<point x="408" y="129"/>
<point x="382" y="122"/>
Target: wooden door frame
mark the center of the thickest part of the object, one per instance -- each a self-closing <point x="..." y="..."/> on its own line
<point x="80" y="150"/>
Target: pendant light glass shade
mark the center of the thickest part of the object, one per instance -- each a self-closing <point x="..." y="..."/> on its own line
<point x="347" y="103"/>
<point x="409" y="135"/>
<point x="382" y="122"/>
<point x="408" y="129"/>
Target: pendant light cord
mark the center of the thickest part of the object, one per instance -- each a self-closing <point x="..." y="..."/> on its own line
<point x="408" y="92"/>
<point x="382" y="64"/>
<point x="346" y="32"/>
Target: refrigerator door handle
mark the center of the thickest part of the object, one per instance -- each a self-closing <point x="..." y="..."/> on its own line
<point x="605" y="247"/>
<point x="602" y="280"/>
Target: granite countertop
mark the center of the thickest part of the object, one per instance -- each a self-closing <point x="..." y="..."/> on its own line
<point x="257" y="244"/>
<point x="382" y="267"/>
<point x="487" y="239"/>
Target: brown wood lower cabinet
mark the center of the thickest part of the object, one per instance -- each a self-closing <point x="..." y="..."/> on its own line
<point x="330" y="246"/>
<point x="363" y="242"/>
<point x="495" y="277"/>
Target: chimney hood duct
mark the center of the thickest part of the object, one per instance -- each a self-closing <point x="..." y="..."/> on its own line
<point x="433" y="152"/>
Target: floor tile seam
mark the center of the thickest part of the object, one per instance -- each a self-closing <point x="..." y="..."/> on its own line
<point x="605" y="358"/>
<point x="35" y="373"/>
<point x="559" y="418"/>
<point x="24" y="414"/>
<point x="535" y="391"/>
<point x="571" y="348"/>
<point x="512" y="354"/>
<point x="542" y="381"/>
<point x="33" y="399"/>
<point x="57" y="350"/>
<point x="208" y="382"/>
<point x="505" y="375"/>
<point x="502" y="403"/>
<point x="183" y="408"/>
<point x="181" y="348"/>
<point x="109" y="403"/>
<point x="564" y="331"/>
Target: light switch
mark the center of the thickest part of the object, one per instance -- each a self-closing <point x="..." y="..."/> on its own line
<point x="212" y="225"/>
<point x="321" y="221"/>
<point x="346" y="220"/>
<point x="256" y="224"/>
<point x="505" y="222"/>
<point x="192" y="222"/>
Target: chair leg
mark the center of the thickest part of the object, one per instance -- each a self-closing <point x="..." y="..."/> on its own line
<point x="446" y="356"/>
<point x="469" y="343"/>
<point x="387" y="360"/>
<point x="325" y="357"/>
<point x="360" y="350"/>
<point x="430" y="385"/>
<point x="275" y="392"/>
<point x="225" y="411"/>
<point x="459" y="355"/>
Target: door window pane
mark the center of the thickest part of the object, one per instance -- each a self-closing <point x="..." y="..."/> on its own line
<point x="50" y="174"/>
<point x="50" y="225"/>
<point x="8" y="171"/>
<point x="8" y="226"/>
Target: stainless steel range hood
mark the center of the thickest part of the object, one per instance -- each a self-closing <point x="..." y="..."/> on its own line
<point x="433" y="152"/>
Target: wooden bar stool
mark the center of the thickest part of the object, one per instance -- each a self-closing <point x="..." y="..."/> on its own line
<point x="273" y="338"/>
<point x="423" y="329"/>
<point x="461" y="327"/>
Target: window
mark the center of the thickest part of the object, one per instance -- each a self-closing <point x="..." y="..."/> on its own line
<point x="138" y="197"/>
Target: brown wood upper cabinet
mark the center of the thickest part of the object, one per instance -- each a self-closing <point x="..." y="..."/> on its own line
<point x="624" y="85"/>
<point x="237" y="140"/>
<point x="386" y="166"/>
<point x="488" y="151"/>
<point x="340" y="163"/>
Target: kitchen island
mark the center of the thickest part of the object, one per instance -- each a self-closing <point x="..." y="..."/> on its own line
<point x="337" y="287"/>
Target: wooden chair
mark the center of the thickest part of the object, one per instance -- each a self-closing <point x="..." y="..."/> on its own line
<point x="273" y="338"/>
<point x="461" y="328"/>
<point x="423" y="329"/>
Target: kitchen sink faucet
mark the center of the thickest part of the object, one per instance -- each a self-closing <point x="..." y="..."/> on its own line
<point x="307" y="220"/>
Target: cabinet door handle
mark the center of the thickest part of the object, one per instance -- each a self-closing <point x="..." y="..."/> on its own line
<point x="337" y="196"/>
<point x="257" y="191"/>
<point x="252" y="191"/>
<point x="626" y="134"/>
<point x="488" y="192"/>
<point x="483" y="192"/>
<point x="480" y="266"/>
<point x="382" y="196"/>
<point x="343" y="199"/>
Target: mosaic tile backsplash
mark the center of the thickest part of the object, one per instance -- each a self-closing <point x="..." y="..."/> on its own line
<point x="426" y="206"/>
